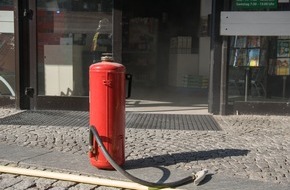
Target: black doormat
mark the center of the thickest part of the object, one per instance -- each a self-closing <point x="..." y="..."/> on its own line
<point x="171" y="121"/>
<point x="133" y="120"/>
<point x="48" y="118"/>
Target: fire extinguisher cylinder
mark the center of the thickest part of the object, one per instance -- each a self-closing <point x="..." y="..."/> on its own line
<point x="107" y="111"/>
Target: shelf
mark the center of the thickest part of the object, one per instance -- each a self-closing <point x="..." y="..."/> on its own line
<point x="139" y="52"/>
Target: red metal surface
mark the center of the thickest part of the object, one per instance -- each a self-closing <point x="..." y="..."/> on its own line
<point x="107" y="111"/>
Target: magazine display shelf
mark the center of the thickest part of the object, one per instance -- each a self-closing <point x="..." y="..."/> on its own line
<point x="248" y="52"/>
<point x="283" y="59"/>
<point x="252" y="81"/>
<point x="279" y="63"/>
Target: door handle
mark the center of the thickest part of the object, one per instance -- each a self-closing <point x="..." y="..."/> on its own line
<point x="28" y="13"/>
<point x="129" y="78"/>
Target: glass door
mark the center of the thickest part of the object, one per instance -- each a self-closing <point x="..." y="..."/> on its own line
<point x="69" y="37"/>
<point x="7" y="53"/>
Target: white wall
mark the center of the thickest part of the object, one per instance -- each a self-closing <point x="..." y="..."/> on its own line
<point x="205" y="7"/>
<point x="6" y="22"/>
<point x="204" y="42"/>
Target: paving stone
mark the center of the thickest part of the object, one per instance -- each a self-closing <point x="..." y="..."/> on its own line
<point x="247" y="146"/>
<point x="58" y="188"/>
<point x="43" y="183"/>
<point x="65" y="184"/>
<point x="25" y="183"/>
<point x="9" y="182"/>
<point x="83" y="187"/>
<point x="106" y="188"/>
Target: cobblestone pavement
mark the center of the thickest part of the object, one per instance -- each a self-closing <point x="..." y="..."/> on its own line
<point x="252" y="147"/>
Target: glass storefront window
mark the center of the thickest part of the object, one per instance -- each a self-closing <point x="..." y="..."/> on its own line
<point x="7" y="49"/>
<point x="259" y="66"/>
<point x="71" y="35"/>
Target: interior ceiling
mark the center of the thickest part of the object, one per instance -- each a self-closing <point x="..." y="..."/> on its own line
<point x="183" y="14"/>
<point x="155" y="7"/>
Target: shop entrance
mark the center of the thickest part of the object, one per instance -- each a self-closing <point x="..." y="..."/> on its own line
<point x="58" y="41"/>
<point x="160" y="48"/>
<point x="159" y="42"/>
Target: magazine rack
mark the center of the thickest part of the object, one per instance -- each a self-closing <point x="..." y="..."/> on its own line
<point x="283" y="58"/>
<point x="249" y="52"/>
<point x="279" y="64"/>
<point x="255" y="81"/>
<point x="247" y="76"/>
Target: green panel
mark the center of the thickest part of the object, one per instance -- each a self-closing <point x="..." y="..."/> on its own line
<point x="255" y="4"/>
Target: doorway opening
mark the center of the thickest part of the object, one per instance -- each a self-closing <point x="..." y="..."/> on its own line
<point x="161" y="50"/>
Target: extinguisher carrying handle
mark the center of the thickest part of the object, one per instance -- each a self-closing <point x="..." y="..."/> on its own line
<point x="129" y="78"/>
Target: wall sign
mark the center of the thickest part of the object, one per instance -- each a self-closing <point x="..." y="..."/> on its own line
<point x="255" y="23"/>
<point x="255" y="4"/>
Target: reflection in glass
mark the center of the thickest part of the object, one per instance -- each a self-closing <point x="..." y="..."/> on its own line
<point x="259" y="66"/>
<point x="259" y="71"/>
<point x="7" y="49"/>
<point x="71" y="36"/>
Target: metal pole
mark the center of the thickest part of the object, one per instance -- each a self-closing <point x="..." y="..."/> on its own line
<point x="284" y="86"/>
<point x="246" y="84"/>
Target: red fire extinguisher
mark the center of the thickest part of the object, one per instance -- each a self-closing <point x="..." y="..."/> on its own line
<point x="107" y="110"/>
<point x="107" y="120"/>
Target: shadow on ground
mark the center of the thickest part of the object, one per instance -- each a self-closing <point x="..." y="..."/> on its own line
<point x="184" y="157"/>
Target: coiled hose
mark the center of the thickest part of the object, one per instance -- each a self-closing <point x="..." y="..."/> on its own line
<point x="128" y="175"/>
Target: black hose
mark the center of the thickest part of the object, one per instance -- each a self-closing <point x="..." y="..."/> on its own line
<point x="131" y="177"/>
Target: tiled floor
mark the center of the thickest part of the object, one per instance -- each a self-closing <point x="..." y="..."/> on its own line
<point x="169" y="101"/>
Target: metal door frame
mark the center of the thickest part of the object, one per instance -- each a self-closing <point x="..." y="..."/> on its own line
<point x="26" y="60"/>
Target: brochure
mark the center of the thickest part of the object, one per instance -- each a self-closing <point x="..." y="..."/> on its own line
<point x="240" y="42"/>
<point x="282" y="66"/>
<point x="254" y="56"/>
<point x="283" y="46"/>
<point x="253" y="41"/>
<point x="240" y="57"/>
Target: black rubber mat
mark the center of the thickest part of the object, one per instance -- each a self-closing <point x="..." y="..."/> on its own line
<point x="171" y="121"/>
<point x="133" y="120"/>
<point x="48" y="118"/>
